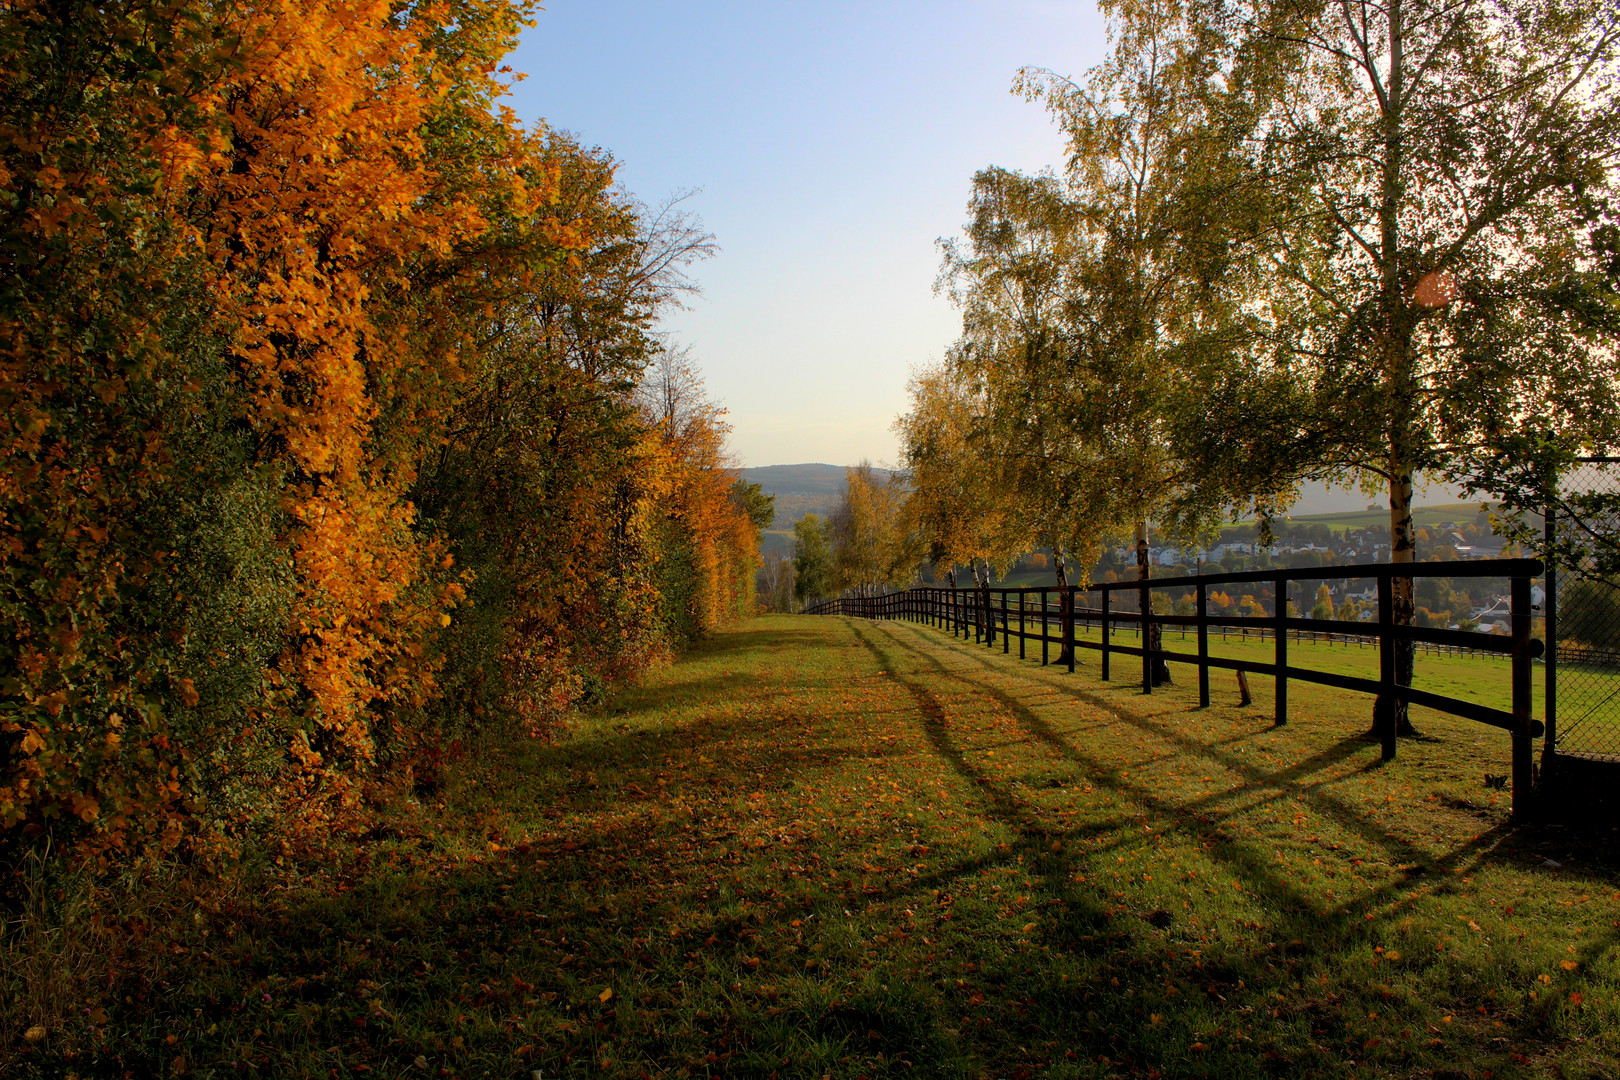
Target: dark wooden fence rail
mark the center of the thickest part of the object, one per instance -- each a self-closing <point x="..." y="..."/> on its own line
<point x="1030" y="615"/>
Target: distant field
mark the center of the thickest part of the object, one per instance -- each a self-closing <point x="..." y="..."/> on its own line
<point x="1423" y="516"/>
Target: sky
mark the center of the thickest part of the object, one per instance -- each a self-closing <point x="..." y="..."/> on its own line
<point x="830" y="145"/>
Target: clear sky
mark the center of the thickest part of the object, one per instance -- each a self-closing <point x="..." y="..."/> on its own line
<point x="833" y="143"/>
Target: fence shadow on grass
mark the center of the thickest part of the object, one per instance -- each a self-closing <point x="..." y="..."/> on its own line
<point x="1320" y="939"/>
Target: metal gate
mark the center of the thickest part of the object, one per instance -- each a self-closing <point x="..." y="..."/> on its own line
<point x="1583" y="620"/>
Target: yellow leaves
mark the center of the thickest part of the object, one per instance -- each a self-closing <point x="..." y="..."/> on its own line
<point x="83" y="807"/>
<point x="188" y="692"/>
<point x="35" y="1033"/>
<point x="1568" y="965"/>
<point x="31" y="742"/>
<point x="605" y="996"/>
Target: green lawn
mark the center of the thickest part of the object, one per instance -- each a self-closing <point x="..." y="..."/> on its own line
<point x="1591" y="694"/>
<point x="826" y="847"/>
<point x="1422" y="517"/>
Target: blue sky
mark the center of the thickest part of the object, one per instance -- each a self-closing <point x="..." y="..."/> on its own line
<point x="833" y="143"/>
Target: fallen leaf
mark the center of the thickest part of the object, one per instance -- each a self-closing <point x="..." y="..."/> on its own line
<point x="605" y="995"/>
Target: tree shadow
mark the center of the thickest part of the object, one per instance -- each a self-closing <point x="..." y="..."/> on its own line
<point x="1320" y="939"/>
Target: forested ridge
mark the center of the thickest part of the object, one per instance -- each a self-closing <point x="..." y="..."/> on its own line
<point x="338" y="421"/>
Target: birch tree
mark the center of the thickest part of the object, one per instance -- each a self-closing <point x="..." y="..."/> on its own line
<point x="1430" y="170"/>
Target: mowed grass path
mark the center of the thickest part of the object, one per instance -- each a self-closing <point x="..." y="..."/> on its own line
<point x="822" y="846"/>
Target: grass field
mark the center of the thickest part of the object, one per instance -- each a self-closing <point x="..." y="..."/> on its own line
<point x="1422" y="517"/>
<point x="1591" y="693"/>
<point x="824" y="847"/>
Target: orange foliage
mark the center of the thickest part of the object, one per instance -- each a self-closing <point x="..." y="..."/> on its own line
<point x="265" y="265"/>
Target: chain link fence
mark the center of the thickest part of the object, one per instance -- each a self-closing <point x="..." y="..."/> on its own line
<point x="1583" y="677"/>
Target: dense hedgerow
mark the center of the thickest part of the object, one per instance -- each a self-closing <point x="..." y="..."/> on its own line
<point x="322" y="438"/>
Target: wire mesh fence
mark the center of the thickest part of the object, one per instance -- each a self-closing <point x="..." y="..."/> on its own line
<point x="1585" y="623"/>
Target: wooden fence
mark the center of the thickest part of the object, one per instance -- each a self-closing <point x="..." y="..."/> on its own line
<point x="1050" y="616"/>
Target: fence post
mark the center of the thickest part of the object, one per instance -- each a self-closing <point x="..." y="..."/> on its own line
<point x="1021" y="598"/>
<point x="1280" y="603"/>
<point x="1549" y="613"/>
<point x="1144" y="607"/>
<point x="1523" y="782"/>
<point x="1106" y="593"/>
<point x="1203" y="649"/>
<point x="1068" y="627"/>
<point x="1046" y="623"/>
<point x="1386" y="666"/>
<point x="1006" y="624"/>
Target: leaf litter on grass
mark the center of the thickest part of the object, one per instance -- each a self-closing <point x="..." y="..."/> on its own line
<point x="883" y="851"/>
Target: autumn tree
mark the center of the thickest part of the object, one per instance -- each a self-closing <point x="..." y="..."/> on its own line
<point x="959" y="509"/>
<point x="305" y="343"/>
<point x="1086" y="313"/>
<point x="812" y="560"/>
<point x="864" y="530"/>
<point x="1424" y="262"/>
<point x="776" y="584"/>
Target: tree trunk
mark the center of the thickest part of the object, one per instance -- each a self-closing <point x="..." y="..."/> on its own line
<point x="1402" y="549"/>
<point x="1397" y="328"/>
<point x="1152" y="638"/>
<point x="986" y="616"/>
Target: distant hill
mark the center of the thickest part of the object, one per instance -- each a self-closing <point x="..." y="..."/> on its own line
<point x="815" y="488"/>
<point x="808" y="479"/>
<point x="1317" y="498"/>
<point x="811" y="488"/>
